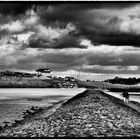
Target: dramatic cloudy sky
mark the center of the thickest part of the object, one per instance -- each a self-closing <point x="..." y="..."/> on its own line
<point x="92" y="38"/>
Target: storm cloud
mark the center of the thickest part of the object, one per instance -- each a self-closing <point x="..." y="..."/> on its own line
<point x="90" y="37"/>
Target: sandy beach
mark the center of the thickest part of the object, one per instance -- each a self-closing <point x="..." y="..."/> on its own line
<point x="88" y="114"/>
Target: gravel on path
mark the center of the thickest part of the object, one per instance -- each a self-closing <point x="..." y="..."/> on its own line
<point x="88" y="114"/>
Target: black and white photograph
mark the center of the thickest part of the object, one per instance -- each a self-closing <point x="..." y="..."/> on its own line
<point x="69" y="69"/>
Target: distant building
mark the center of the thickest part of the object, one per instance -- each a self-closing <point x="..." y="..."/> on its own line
<point x="43" y="70"/>
<point x="70" y="79"/>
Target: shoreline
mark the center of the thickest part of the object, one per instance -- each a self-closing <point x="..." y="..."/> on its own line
<point x="30" y="115"/>
<point x="66" y="115"/>
<point x="39" y="98"/>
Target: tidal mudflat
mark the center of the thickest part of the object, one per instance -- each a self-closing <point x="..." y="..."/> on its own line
<point x="13" y="102"/>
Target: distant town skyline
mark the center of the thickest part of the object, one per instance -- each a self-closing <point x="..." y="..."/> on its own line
<point x="94" y="37"/>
